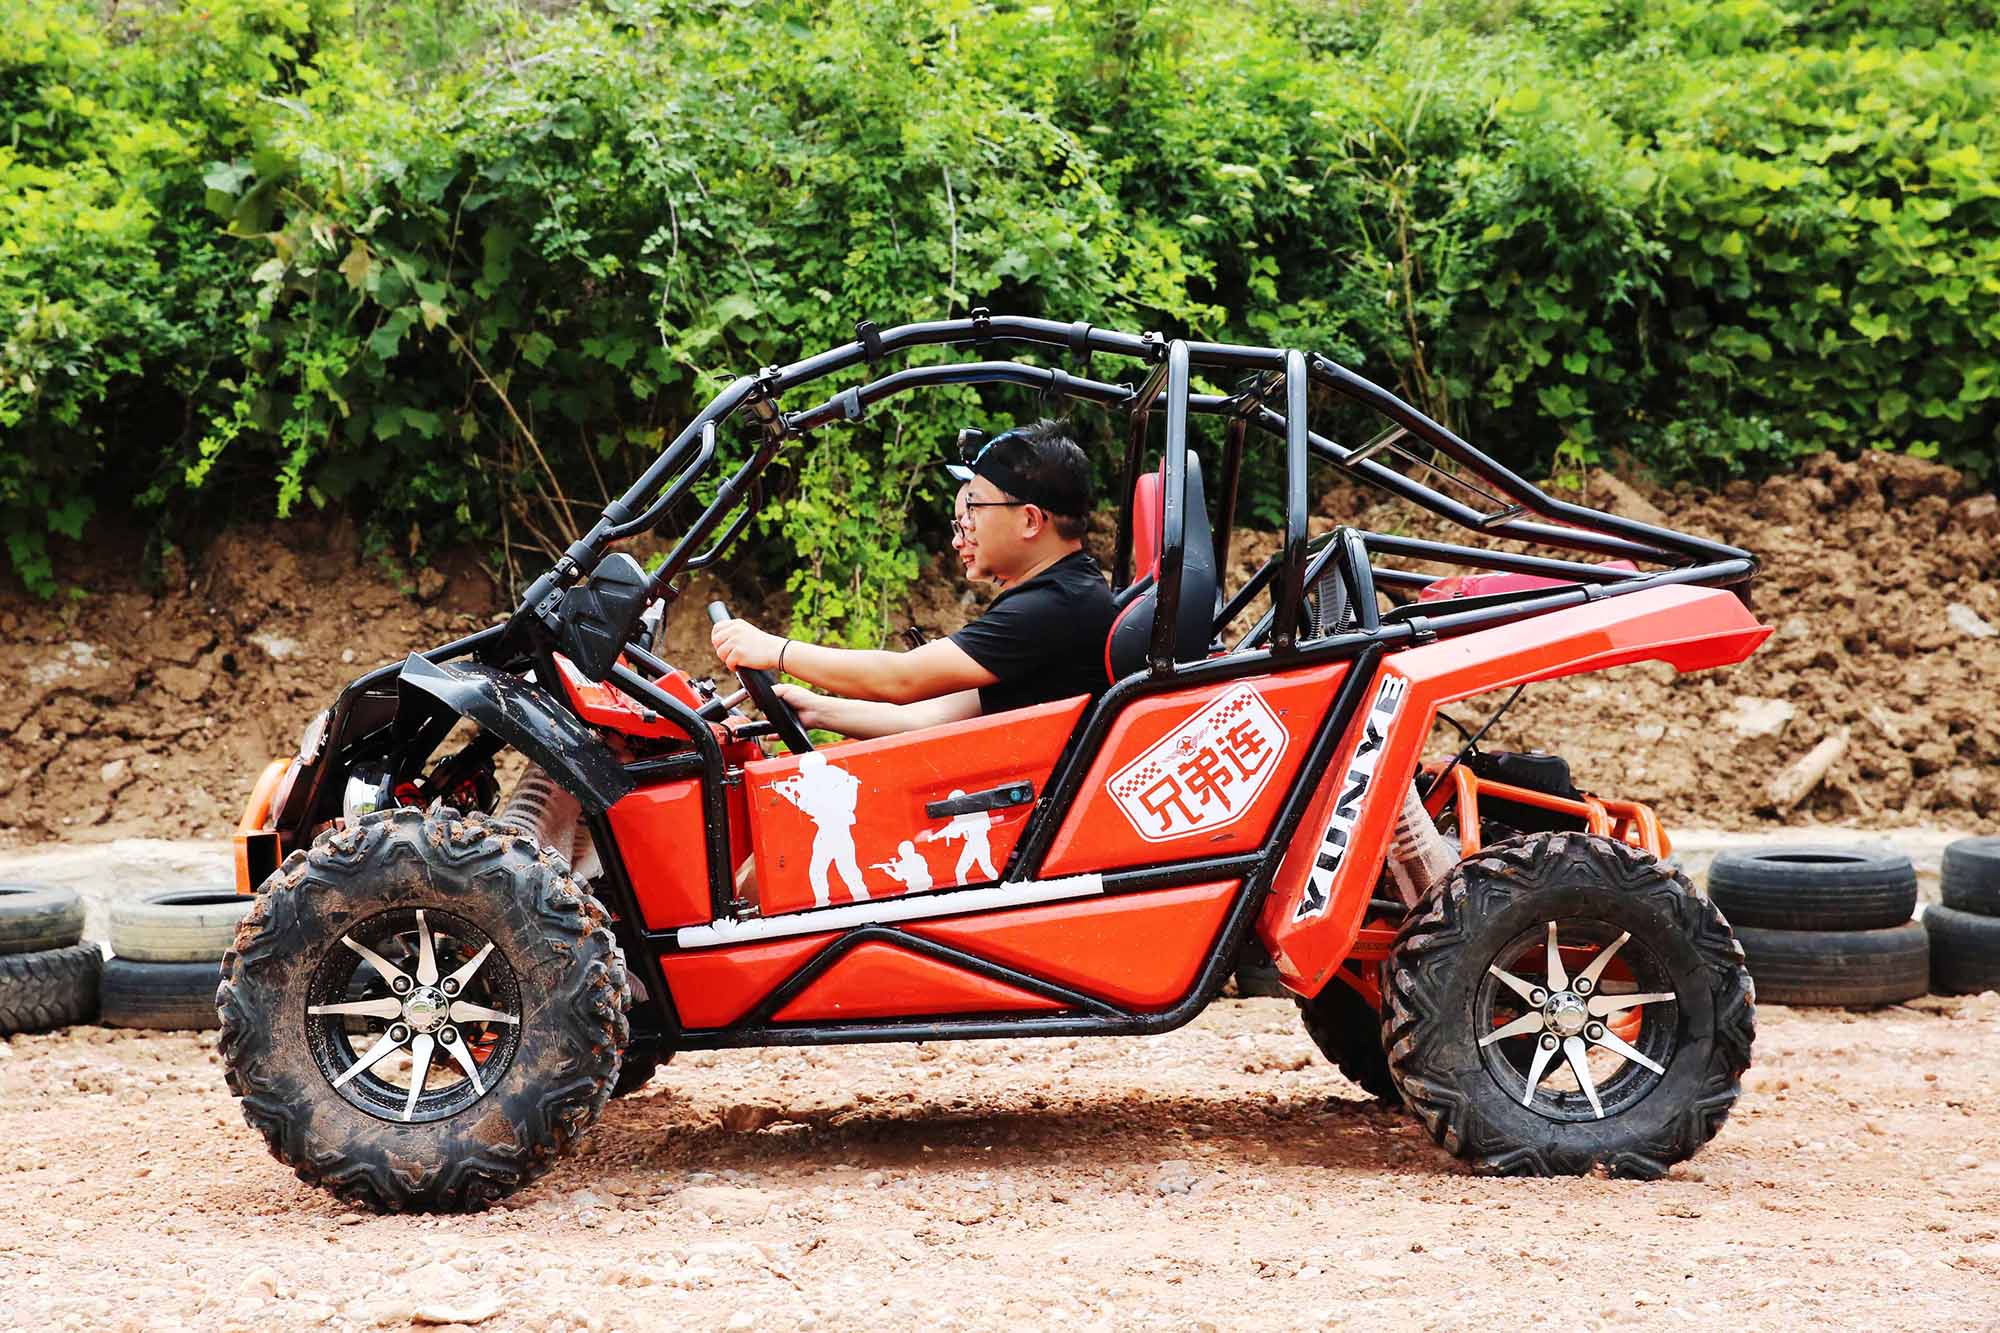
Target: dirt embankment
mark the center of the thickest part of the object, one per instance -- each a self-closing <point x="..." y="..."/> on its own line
<point x="135" y="713"/>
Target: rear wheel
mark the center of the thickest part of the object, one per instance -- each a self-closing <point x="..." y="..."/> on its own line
<point x="1348" y="1031"/>
<point x="642" y="1059"/>
<point x="1509" y="1011"/>
<point x="425" y="1012"/>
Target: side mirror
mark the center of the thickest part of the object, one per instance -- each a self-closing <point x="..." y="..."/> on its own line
<point x="600" y="615"/>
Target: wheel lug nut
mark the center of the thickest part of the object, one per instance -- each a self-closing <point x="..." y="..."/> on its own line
<point x="448" y="986"/>
<point x="401" y="985"/>
<point x="1595" y="1032"/>
<point x="447" y="1035"/>
<point x="1538" y="996"/>
<point x="399" y="1033"/>
<point x="1583" y="985"/>
<point x="1548" y="1041"/>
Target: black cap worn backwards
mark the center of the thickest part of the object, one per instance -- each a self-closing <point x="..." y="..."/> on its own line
<point x="981" y="457"/>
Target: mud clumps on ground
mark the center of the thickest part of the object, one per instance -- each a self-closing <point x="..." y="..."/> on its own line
<point x="132" y="712"/>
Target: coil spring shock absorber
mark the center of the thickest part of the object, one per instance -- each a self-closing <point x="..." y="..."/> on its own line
<point x="550" y="815"/>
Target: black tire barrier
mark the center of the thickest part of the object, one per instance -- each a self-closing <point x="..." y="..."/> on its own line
<point x="1971" y="876"/>
<point x="166" y="997"/>
<point x="49" y="989"/>
<point x="184" y="926"/>
<point x="35" y="918"/>
<point x="1838" y="967"/>
<point x="1814" y="888"/>
<point x="1965" y="951"/>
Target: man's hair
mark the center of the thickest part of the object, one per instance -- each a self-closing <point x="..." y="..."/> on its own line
<point x="1044" y="456"/>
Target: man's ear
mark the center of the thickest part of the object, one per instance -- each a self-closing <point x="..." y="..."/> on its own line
<point x="1037" y="519"/>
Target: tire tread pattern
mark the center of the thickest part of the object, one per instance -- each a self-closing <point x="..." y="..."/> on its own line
<point x="1348" y="1032"/>
<point x="49" y="989"/>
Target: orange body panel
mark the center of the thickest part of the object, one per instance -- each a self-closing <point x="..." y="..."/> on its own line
<point x="866" y="801"/>
<point x="605" y="705"/>
<point x="659" y="833"/>
<point x="1140" y="950"/>
<point x="1175" y="780"/>
<point x="1312" y="919"/>
<point x="256" y="814"/>
<point x="714" y="987"/>
<point x="879" y="980"/>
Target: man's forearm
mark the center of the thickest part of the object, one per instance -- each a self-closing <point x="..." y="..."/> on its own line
<point x="860" y="674"/>
<point x="865" y="719"/>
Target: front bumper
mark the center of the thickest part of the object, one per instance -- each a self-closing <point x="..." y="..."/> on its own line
<point x="257" y="849"/>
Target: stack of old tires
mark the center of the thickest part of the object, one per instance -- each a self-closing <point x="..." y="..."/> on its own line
<point x="48" y="977"/>
<point x="1965" y="931"/>
<point x="167" y="959"/>
<point x="1825" y="925"/>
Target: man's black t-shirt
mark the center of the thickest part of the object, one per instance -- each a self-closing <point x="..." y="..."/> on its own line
<point x="1043" y="638"/>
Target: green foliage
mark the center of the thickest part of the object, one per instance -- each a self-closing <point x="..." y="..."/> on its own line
<point x="464" y="268"/>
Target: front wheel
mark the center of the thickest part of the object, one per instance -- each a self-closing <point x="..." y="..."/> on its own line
<point x="1561" y="1003"/>
<point x="424" y="1013"/>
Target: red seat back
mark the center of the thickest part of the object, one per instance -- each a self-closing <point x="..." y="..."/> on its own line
<point x="1148" y="523"/>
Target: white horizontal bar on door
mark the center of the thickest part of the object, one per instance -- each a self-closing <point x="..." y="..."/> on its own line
<point x="910" y="907"/>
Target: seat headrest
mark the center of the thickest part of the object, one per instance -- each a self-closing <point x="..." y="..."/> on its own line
<point x="1131" y="634"/>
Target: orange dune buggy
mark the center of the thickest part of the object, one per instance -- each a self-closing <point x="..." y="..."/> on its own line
<point x="440" y="984"/>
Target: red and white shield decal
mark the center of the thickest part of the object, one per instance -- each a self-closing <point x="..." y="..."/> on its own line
<point x="1205" y="773"/>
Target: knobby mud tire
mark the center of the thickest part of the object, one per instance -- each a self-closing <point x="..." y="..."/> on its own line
<point x="1348" y="1031"/>
<point x="49" y="989"/>
<point x="573" y="998"/>
<point x="1456" y="931"/>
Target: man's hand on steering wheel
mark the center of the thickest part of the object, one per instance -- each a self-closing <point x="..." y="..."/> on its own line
<point x="741" y="644"/>
<point x="752" y="655"/>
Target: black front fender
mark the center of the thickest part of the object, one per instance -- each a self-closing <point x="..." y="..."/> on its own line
<point x="527" y="718"/>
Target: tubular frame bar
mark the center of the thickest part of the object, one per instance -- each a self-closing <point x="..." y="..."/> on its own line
<point x="1291" y="591"/>
<point x="1173" y="522"/>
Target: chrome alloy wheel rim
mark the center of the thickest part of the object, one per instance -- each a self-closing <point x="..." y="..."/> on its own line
<point x="1577" y="1021"/>
<point x="413" y="1015"/>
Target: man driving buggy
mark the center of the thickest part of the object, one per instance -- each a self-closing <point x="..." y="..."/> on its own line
<point x="1019" y="519"/>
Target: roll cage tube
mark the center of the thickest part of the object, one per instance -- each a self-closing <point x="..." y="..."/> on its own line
<point x="1170" y="364"/>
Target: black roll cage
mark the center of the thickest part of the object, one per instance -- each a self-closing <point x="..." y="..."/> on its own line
<point x="1275" y="374"/>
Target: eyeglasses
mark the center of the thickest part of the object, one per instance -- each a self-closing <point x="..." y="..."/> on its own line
<point x="963" y="529"/>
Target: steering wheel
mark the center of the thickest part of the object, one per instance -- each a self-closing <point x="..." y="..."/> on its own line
<point x="764" y="693"/>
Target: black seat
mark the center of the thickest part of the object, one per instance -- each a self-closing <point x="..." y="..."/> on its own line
<point x="1131" y="637"/>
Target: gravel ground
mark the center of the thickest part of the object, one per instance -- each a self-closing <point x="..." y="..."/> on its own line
<point x="1218" y="1177"/>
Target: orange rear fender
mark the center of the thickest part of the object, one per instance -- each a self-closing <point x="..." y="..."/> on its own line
<point x="1312" y="919"/>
